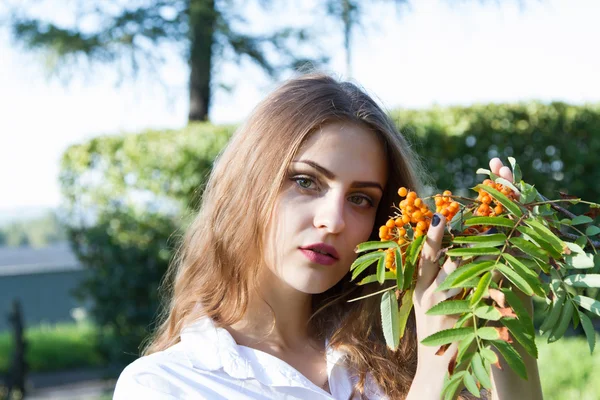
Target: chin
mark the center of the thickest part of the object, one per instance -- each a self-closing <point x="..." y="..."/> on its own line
<point x="313" y="283"/>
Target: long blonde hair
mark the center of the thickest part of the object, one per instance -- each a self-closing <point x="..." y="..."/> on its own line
<point x="222" y="249"/>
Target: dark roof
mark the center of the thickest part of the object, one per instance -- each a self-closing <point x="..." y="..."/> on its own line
<point x="27" y="260"/>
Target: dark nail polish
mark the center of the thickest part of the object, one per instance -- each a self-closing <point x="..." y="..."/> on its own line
<point x="435" y="220"/>
<point x="491" y="230"/>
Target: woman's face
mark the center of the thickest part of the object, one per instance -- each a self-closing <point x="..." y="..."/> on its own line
<point x="326" y="207"/>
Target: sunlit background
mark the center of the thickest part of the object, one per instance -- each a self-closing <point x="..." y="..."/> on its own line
<point x="420" y="54"/>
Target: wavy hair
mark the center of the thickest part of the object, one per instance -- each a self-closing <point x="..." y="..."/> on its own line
<point x="213" y="268"/>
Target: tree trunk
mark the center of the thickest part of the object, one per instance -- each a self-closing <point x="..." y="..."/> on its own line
<point x="202" y="25"/>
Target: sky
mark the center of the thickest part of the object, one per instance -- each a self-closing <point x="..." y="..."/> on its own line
<point x="427" y="54"/>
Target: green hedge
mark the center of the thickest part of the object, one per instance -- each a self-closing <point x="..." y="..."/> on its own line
<point x="555" y="144"/>
<point x="127" y="196"/>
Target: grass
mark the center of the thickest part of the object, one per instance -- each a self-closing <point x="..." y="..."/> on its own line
<point x="54" y="347"/>
<point x="568" y="370"/>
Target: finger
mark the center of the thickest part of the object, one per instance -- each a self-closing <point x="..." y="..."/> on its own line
<point x="428" y="267"/>
<point x="495" y="165"/>
<point x="506" y="173"/>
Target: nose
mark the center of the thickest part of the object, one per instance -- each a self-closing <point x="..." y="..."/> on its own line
<point x="329" y="214"/>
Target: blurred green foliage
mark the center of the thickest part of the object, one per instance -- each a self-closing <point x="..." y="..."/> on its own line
<point x="55" y="347"/>
<point x="34" y="232"/>
<point x="555" y="144"/>
<point x="129" y="196"/>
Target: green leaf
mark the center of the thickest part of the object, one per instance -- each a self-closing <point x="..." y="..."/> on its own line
<point x="367" y="259"/>
<point x="516" y="170"/>
<point x="529" y="249"/>
<point x="399" y="269"/>
<point x="528" y="193"/>
<point x="502" y="199"/>
<point x="532" y="236"/>
<point x="488" y="312"/>
<point x="482" y="286"/>
<point x="546" y="234"/>
<point x="515" y="278"/>
<point x="592" y="230"/>
<point x="471" y="385"/>
<point x="374" y="245"/>
<point x="588" y="328"/>
<point x="456" y="224"/>
<point x="473" y="251"/>
<point x="405" y="307"/>
<point x="522" y="334"/>
<point x="488" y="333"/>
<point x="552" y="318"/>
<point x="526" y="273"/>
<point x="492" y="240"/>
<point x="461" y="320"/>
<point x="513" y="359"/>
<point x="373" y="278"/>
<point x="563" y="322"/>
<point x="581" y="219"/>
<point x="465" y="273"/>
<point x="412" y="255"/>
<point x="463" y="346"/>
<point x="483" y="171"/>
<point x="488" y="354"/>
<point x="447" y="336"/>
<point x="480" y="372"/>
<point x="381" y="270"/>
<point x="588" y="303"/>
<point x="583" y="280"/>
<point x="389" y="319"/>
<point x="491" y="221"/>
<point x="519" y="308"/>
<point x="449" y="307"/>
<point x="578" y="258"/>
<point x="450" y="388"/>
<point x="581" y="241"/>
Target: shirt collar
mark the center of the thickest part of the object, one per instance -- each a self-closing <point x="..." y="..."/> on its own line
<point x="209" y="347"/>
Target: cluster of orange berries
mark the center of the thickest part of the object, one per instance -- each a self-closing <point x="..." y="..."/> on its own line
<point x="445" y="205"/>
<point x="414" y="215"/>
<point x="489" y="207"/>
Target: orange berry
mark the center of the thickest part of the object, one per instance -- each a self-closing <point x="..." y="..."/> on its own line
<point x="486" y="199"/>
<point x="401" y="231"/>
<point x="418" y="233"/>
<point x="402" y="192"/>
<point x="438" y="200"/>
<point x="422" y="225"/>
<point x="483" y="209"/>
<point x="403" y="204"/>
<point x="498" y="209"/>
<point x="417" y="214"/>
<point x="390" y="223"/>
<point x="405" y="219"/>
<point x="447" y="193"/>
<point x="418" y="202"/>
<point x="488" y="182"/>
<point x="445" y="212"/>
<point x="401" y="240"/>
<point x="454" y="206"/>
<point x="398" y="222"/>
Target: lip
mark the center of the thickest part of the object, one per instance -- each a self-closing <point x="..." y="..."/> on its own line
<point x="312" y="253"/>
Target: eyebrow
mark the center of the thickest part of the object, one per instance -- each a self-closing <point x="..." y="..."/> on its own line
<point x="330" y="175"/>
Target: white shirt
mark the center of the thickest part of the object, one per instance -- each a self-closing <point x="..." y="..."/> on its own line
<point x="208" y="364"/>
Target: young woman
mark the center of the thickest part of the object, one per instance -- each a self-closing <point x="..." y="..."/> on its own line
<point x="258" y="303"/>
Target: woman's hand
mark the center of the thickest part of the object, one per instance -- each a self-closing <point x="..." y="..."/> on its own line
<point x="431" y="368"/>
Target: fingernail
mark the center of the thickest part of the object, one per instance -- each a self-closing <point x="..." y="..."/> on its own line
<point x="435" y="220"/>
<point x="491" y="230"/>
